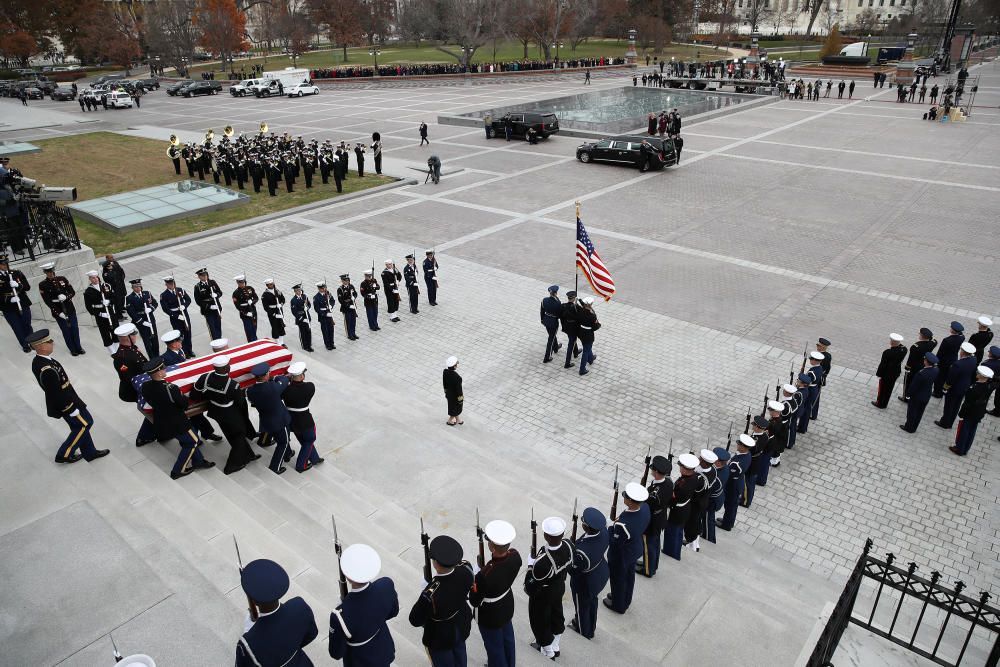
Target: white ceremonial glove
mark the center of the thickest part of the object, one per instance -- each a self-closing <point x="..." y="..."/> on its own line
<point x="148" y="325"/>
<point x="64" y="316"/>
<point x="475" y="569"/>
<point x="74" y="413"/>
<point x="62" y="297"/>
<point x="104" y="315"/>
<point x="247" y="623"/>
<point x="352" y="307"/>
<point x="213" y="307"/>
<point x="14" y="283"/>
<point x="105" y="302"/>
<point x="14" y="299"/>
<point x="395" y="291"/>
<point x="531" y="562"/>
<point x="330" y="315"/>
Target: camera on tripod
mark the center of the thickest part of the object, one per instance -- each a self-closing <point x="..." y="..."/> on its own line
<point x="27" y="188"/>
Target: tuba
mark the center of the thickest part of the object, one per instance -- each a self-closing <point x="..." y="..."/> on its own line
<point x="210" y="135"/>
<point x="228" y="131"/>
<point x="174" y="142"/>
<point x="263" y="127"/>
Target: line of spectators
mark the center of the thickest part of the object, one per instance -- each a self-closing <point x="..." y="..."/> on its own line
<point x="455" y="68"/>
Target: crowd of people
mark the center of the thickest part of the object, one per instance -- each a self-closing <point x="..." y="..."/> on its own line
<point x="425" y="69"/>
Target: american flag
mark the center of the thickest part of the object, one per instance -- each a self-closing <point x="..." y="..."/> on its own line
<point x="590" y="263"/>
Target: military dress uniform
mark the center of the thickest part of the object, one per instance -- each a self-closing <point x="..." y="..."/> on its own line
<point x="14" y="302"/>
<point x="442" y="609"/>
<point x="660" y="493"/>
<point x="369" y="293"/>
<point x="175" y="357"/>
<point x="915" y="360"/>
<point x="921" y="390"/>
<point x="140" y="306"/>
<point x="390" y="284"/>
<point x="277" y="637"/>
<point x="175" y="302"/>
<point x="99" y="300"/>
<point x="359" y="634"/>
<point x="297" y="397"/>
<point x="208" y="296"/>
<point x="947" y="354"/>
<point x="760" y="458"/>
<point x="346" y="294"/>
<point x="587" y="324"/>
<point x="546" y="586"/>
<point x="493" y="596"/>
<point x="589" y="573"/>
<point x="58" y="295"/>
<point x="826" y="363"/>
<point x="129" y="361"/>
<point x="716" y="488"/>
<point x="323" y="305"/>
<point x="739" y="466"/>
<point x="245" y="299"/>
<point x="169" y="420"/>
<point x="265" y="396"/>
<point x="982" y="338"/>
<point x="680" y="509"/>
<point x="972" y="411"/>
<point x="412" y="289"/>
<point x="113" y="274"/>
<point x="430" y="267"/>
<point x="550" y="312"/>
<point x="793" y="400"/>
<point x="889" y="370"/>
<point x="62" y="402"/>
<point x="625" y="548"/>
<point x="273" y="301"/>
<point x="961" y="376"/>
<point x="815" y="373"/>
<point x="227" y="406"/>
<point x="568" y="320"/>
<point x="302" y="312"/>
<point x="723" y="470"/>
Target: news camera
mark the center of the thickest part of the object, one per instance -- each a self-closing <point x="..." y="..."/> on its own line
<point x="25" y="188"/>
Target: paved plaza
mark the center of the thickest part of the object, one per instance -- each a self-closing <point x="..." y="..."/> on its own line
<point x="847" y="219"/>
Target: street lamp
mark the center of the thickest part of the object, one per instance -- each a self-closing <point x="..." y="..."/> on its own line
<point x="184" y="62"/>
<point x="630" y="54"/>
<point x="557" y="46"/>
<point x="375" y="53"/>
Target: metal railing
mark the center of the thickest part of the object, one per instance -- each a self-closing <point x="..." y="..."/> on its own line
<point x="909" y="586"/>
<point x="32" y="229"/>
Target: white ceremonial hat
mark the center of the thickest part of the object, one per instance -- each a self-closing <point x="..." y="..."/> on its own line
<point x="368" y="272"/>
<point x="500" y="532"/>
<point x="388" y="261"/>
<point x="896" y="337"/>
<point x="168" y="279"/>
<point x="298" y="368"/>
<point x="92" y="274"/>
<point x="221" y="360"/>
<point x="968" y="347"/>
<point x="553" y="526"/>
<point x="775" y="405"/>
<point x="219" y="343"/>
<point x="321" y="283"/>
<point x="689" y="461"/>
<point x="747" y="441"/>
<point x="450" y="361"/>
<point x="240" y="278"/>
<point x="985" y="321"/>
<point x="126" y="329"/>
<point x="48" y="266"/>
<point x="818" y="356"/>
<point x="588" y="300"/>
<point x="636" y="492"/>
<point x="268" y="281"/>
<point x="171" y="335"/>
<point x="985" y="371"/>
<point x="708" y="456"/>
<point x="360" y="563"/>
<point x="790" y="388"/>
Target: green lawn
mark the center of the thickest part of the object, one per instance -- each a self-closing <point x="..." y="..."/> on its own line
<point x="408" y="54"/>
<point x="140" y="163"/>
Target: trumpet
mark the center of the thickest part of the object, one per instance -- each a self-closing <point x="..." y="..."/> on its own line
<point x="263" y="127"/>
<point x="228" y="131"/>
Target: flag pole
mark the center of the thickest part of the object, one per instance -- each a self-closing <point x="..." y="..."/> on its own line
<point x="576" y="267"/>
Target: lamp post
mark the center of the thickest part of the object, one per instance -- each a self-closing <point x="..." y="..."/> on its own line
<point x="557" y="46"/>
<point x="630" y="54"/>
<point x="184" y="62"/>
<point x="374" y="52"/>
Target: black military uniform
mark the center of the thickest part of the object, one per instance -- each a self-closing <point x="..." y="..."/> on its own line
<point x="227" y="406"/>
<point x="303" y="317"/>
<point x="390" y="283"/>
<point x="58" y="295"/>
<point x="915" y="361"/>
<point x="545" y="587"/>
<point x="442" y="609"/>
<point x="981" y="339"/>
<point x="681" y="509"/>
<point x="208" y="296"/>
<point x="412" y="289"/>
<point x="129" y="361"/>
<point x="889" y="368"/>
<point x="113" y="274"/>
<point x="273" y="301"/>
<point x="659" y="500"/>
<point x="492" y="595"/>
<point x="15" y="304"/>
<point x="346" y="294"/>
<point x="245" y="299"/>
<point x="369" y="293"/>
<point x="99" y="300"/>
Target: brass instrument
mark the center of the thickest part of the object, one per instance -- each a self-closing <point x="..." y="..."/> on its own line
<point x="210" y="135"/>
<point x="263" y="127"/>
<point x="228" y="131"/>
<point x="174" y="142"/>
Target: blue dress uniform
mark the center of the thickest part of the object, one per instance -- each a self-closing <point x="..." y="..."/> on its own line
<point x="58" y="295"/>
<point x="625" y="548"/>
<point x="14" y="302"/>
<point x="660" y="494"/>
<point x="947" y="354"/>
<point x="550" y="312"/>
<point x="175" y="301"/>
<point x="301" y="311"/>
<point x="760" y="458"/>
<point x="346" y="294"/>
<point x="412" y="289"/>
<point x="739" y="465"/>
<point x="589" y="573"/>
<point x="358" y="632"/>
<point x="961" y="375"/>
<point x="297" y="397"/>
<point x="369" y="293"/>
<point x="245" y="299"/>
<point x="129" y="361"/>
<point x="274" y="417"/>
<point x="795" y="404"/>
<point x="815" y="373"/>
<point x="140" y="305"/>
<point x="62" y="402"/>
<point x="442" y="609"/>
<point x="492" y="595"/>
<point x="323" y="305"/>
<point x="921" y="388"/>
<point x="722" y="469"/>
<point x="715" y="492"/>
<point x="570" y="327"/>
<point x="972" y="412"/>
<point x="430" y="277"/>
<point x="283" y="629"/>
<point x="169" y="420"/>
<point x="680" y="509"/>
<point x="202" y="426"/>
<point x="208" y="296"/>
<point x="827" y="363"/>
<point x="99" y="300"/>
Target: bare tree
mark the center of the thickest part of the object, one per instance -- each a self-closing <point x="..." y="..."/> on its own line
<point x="548" y="19"/>
<point x="343" y="19"/>
<point x="517" y="24"/>
<point x="582" y="21"/>
<point x="293" y="28"/>
<point x="865" y="21"/>
<point x="463" y="23"/>
<point x="413" y="24"/>
<point x="170" y="34"/>
<point x="814" y="7"/>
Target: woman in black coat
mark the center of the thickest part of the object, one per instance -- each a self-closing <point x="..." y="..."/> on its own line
<point x="453" y="391"/>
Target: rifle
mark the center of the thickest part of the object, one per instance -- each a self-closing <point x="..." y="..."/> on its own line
<point x="670" y="451"/>
<point x="729" y="438"/>
<point x="107" y="311"/>
<point x="791" y="374"/>
<point x="184" y="309"/>
<point x="645" y="473"/>
<point x="614" y="497"/>
<point x="767" y="399"/>
<point x="426" y="542"/>
<point x="117" y="655"/>
<point x="576" y="517"/>
<point x="339" y="550"/>
<point x="746" y="429"/>
<point x="777" y="392"/>
<point x="805" y="355"/>
<point x="254" y="615"/>
<point x="481" y="559"/>
<point x="534" y="533"/>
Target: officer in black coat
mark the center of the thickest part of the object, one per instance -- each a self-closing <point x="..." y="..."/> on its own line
<point x="58" y="295"/>
<point x="699" y="503"/>
<point x="62" y="401"/>
<point x="568" y="320"/>
<point x="227" y="405"/>
<point x="981" y="339"/>
<point x="412" y="289"/>
<point x="680" y="508"/>
<point x="99" y="300"/>
<point x="323" y="305"/>
<point x="442" y="609"/>
<point x="915" y="361"/>
<point x="141" y="305"/>
<point x="589" y="573"/>
<point x="273" y="302"/>
<point x="660" y="490"/>
<point x="358" y="631"/>
<point x="587" y="324"/>
<point x="265" y="396"/>
<point x="208" y="296"/>
<point x="947" y="354"/>
<point x="301" y="311"/>
<point x="297" y="397"/>
<point x="169" y="420"/>
<point x="739" y="465"/>
<point x="282" y="629"/>
<point x="129" y="361"/>
<point x="993" y="363"/>
<point x="245" y="299"/>
<point x="175" y="301"/>
<point x="973" y="410"/>
<point x="889" y="368"/>
<point x="390" y="284"/>
<point x="430" y="277"/>
<point x="550" y="312"/>
<point x="346" y="295"/>
<point x="921" y="387"/>
<point x="709" y="460"/>
<point x="626" y="546"/>
<point x="369" y="293"/>
<point x="961" y="375"/>
<point x="549" y="568"/>
<point x="14" y="302"/>
<point x="492" y="594"/>
<point x="114" y="275"/>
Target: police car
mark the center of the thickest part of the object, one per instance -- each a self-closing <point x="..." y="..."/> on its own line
<point x="300" y="89"/>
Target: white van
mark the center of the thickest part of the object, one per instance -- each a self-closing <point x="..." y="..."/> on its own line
<point x="119" y="100"/>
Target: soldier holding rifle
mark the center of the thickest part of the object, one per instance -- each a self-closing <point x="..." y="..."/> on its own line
<point x="660" y="491"/>
<point x="276" y="631"/>
<point x="588" y="575"/>
<point x="546" y="585"/>
<point x="491" y="593"/>
<point x="626" y="546"/>
<point x="358" y="631"/>
<point x="442" y="609"/>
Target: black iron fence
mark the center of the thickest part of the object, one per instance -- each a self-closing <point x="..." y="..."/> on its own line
<point x="910" y="587"/>
<point x="30" y="229"/>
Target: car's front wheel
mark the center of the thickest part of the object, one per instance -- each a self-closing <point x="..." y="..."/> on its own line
<point x="584" y="157"/>
<point x="300" y="93"/>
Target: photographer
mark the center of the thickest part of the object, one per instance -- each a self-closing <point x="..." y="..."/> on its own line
<point x="434" y="169"/>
